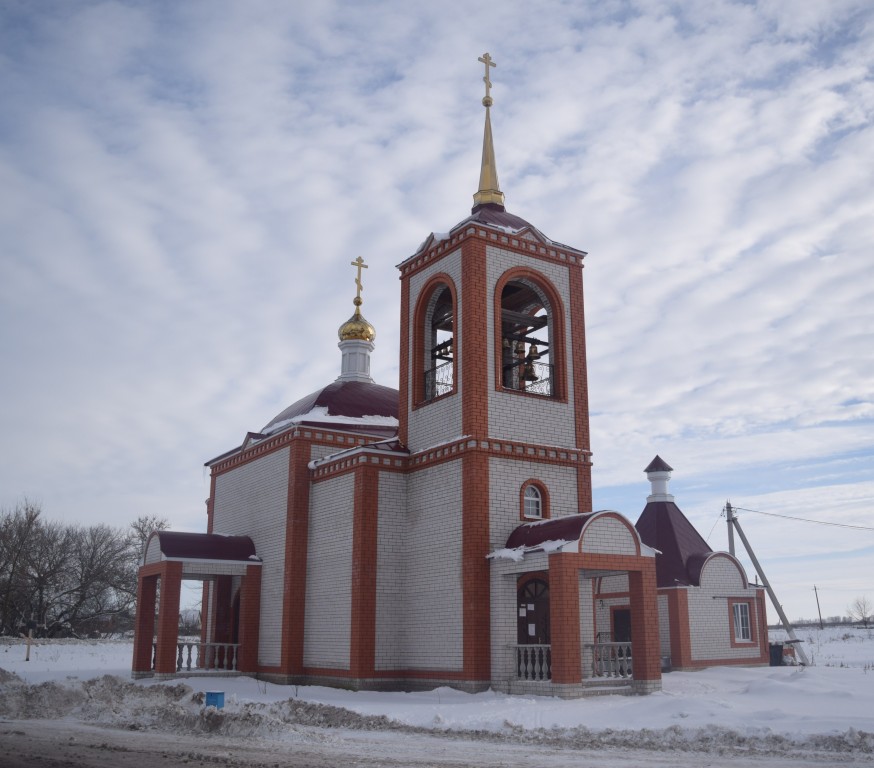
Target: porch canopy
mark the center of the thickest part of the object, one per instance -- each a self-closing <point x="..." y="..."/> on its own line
<point x="173" y="556"/>
<point x="569" y="554"/>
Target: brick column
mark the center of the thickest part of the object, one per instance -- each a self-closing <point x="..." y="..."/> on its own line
<point x="296" y="554"/>
<point x="475" y="584"/>
<point x="362" y="650"/>
<point x="645" y="627"/>
<point x="147" y="590"/>
<point x="678" y="622"/>
<point x="168" y="618"/>
<point x="564" y="618"/>
<point x="250" y="620"/>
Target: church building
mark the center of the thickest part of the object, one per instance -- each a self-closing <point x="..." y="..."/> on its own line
<point x="443" y="533"/>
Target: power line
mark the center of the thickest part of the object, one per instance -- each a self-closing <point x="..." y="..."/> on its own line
<point x="807" y="520"/>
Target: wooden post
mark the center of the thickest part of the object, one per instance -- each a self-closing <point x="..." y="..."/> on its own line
<point x="29" y="640"/>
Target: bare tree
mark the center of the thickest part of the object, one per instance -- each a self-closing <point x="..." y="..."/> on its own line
<point x="16" y="529"/>
<point x="861" y="610"/>
<point x="68" y="579"/>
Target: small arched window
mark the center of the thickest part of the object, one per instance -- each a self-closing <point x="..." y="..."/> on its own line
<point x="533" y="502"/>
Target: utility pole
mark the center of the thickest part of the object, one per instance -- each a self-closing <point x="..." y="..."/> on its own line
<point x="729" y="514"/>
<point x="729" y="517"/>
<point x="817" y="606"/>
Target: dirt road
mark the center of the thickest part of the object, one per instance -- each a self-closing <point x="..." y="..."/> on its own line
<point x="64" y="743"/>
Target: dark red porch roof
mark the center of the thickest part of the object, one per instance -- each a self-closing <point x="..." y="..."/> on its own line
<point x="566" y="528"/>
<point x="205" y="546"/>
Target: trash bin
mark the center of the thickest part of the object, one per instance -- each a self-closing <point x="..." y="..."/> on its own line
<point x="215" y="699"/>
<point x="666" y="664"/>
<point x="776" y="654"/>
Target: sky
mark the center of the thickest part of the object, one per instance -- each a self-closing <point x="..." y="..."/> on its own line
<point x="184" y="185"/>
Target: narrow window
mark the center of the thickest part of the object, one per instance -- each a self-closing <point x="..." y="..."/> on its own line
<point x="742" y="622"/>
<point x="439" y="345"/>
<point x="533" y="502"/>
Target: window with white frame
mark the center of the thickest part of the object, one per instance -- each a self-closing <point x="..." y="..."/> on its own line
<point x="741" y="613"/>
<point x="533" y="502"/>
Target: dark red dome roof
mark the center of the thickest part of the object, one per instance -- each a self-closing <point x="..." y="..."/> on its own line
<point x="349" y="399"/>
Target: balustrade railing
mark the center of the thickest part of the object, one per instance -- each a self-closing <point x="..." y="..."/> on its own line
<point x="611" y="659"/>
<point x="541" y="385"/>
<point x="533" y="662"/>
<point x="203" y="657"/>
<point x="438" y="380"/>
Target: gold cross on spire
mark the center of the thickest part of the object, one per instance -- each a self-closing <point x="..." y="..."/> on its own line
<point x="359" y="262"/>
<point x="487" y="60"/>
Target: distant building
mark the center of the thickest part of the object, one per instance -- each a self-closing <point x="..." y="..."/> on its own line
<point x="442" y="533"/>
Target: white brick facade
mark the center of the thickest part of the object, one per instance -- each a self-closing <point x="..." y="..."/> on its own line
<point x="432" y="633"/>
<point x="252" y="500"/>
<point x="329" y="574"/>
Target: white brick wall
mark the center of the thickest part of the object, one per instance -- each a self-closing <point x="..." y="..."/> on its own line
<point x="432" y="636"/>
<point x="546" y="420"/>
<point x="153" y="552"/>
<point x="439" y="421"/>
<point x="608" y="535"/>
<point x="506" y="477"/>
<point x="329" y="574"/>
<point x="664" y="627"/>
<point x="712" y="627"/>
<point x="252" y="500"/>
<point x="390" y="576"/>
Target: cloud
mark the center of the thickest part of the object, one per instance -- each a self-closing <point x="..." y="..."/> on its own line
<point x="182" y="188"/>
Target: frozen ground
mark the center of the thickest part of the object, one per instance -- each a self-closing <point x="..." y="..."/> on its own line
<point x="73" y="703"/>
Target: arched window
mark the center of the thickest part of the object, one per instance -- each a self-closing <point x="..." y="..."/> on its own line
<point x="434" y="343"/>
<point x="534" y="501"/>
<point x="528" y="320"/>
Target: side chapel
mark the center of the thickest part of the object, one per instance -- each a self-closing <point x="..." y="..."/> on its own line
<point x="443" y="533"/>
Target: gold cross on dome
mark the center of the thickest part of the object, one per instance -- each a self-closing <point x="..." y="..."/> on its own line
<point x="359" y="262"/>
<point x="487" y="60"/>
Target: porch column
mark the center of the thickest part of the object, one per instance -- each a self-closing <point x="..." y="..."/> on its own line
<point x="250" y="620"/>
<point x="168" y="618"/>
<point x="564" y="617"/>
<point x="645" y="628"/>
<point x="147" y="590"/>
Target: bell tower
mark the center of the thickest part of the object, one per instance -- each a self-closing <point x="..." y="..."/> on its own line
<point x="493" y="391"/>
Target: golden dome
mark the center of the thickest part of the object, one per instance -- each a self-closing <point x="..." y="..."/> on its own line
<point x="356" y="327"/>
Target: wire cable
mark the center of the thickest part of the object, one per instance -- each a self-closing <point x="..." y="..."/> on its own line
<point x="806" y="520"/>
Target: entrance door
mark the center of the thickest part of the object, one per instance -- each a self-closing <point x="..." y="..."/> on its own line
<point x="533" y="615"/>
<point x="622" y="625"/>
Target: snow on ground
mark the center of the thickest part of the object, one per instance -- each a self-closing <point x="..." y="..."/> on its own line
<point x="827" y="707"/>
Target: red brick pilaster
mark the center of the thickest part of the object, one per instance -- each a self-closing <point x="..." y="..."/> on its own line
<point x="144" y="632"/>
<point x="564" y="618"/>
<point x="250" y="620"/>
<point x="168" y="617"/>
<point x="645" y="621"/>
<point x="474" y="342"/>
<point x="405" y="364"/>
<point x="581" y="383"/>
<point x="678" y="624"/>
<point x="296" y="532"/>
<point x="474" y="566"/>
<point x="364" y="540"/>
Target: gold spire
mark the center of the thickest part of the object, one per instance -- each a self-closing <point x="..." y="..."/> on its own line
<point x="489" y="190"/>
<point x="356" y="327"/>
